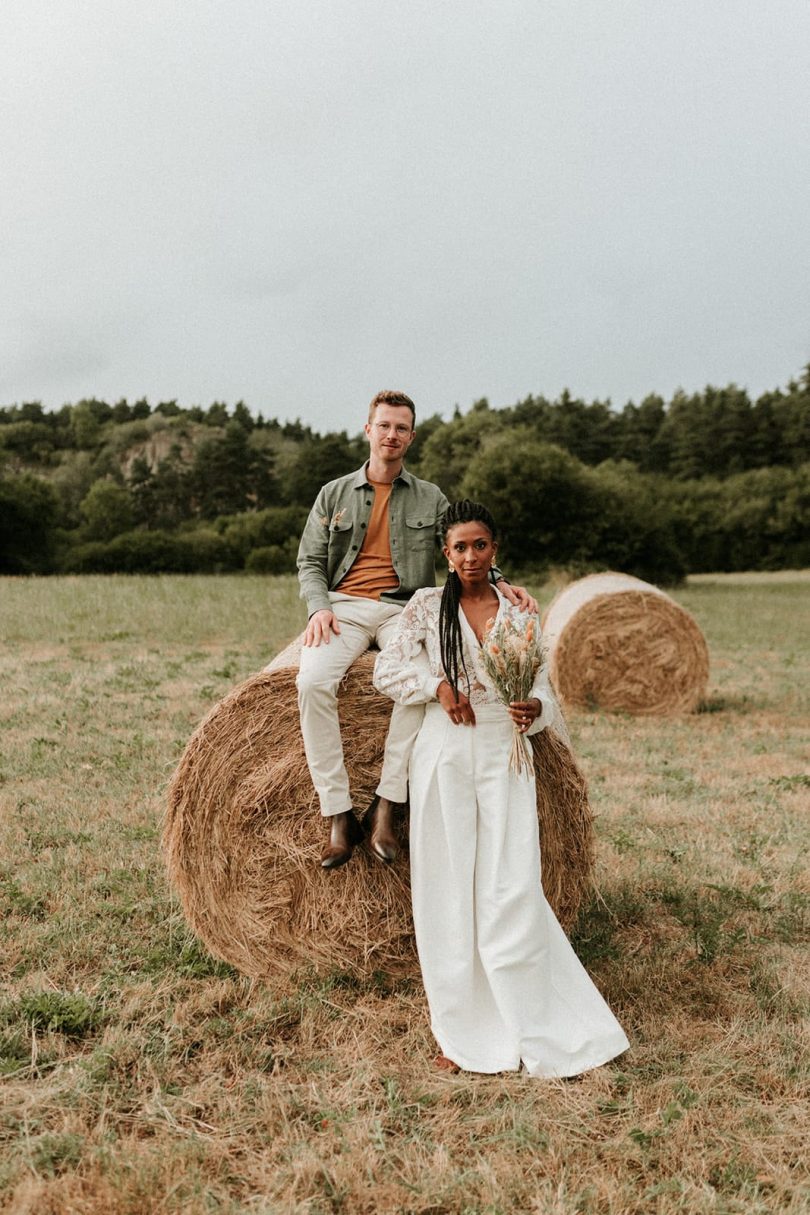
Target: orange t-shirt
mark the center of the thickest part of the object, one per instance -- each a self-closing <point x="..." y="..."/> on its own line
<point x="373" y="570"/>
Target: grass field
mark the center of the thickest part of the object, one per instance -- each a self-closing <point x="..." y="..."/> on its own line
<point x="139" y="1075"/>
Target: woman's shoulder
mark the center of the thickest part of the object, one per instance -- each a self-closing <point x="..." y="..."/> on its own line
<point x="426" y="596"/>
<point x="516" y="613"/>
<point x="423" y="605"/>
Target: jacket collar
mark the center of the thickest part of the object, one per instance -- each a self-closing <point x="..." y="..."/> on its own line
<point x="360" y="480"/>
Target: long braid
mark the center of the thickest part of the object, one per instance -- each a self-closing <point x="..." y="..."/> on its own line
<point x="450" y="633"/>
<point x="450" y="644"/>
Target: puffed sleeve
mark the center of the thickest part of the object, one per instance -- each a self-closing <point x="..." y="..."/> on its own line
<point x="402" y="670"/>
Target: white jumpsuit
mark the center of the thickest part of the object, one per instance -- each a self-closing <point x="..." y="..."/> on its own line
<point x="503" y="984"/>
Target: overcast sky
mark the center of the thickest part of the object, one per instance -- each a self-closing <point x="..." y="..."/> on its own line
<point x="297" y="203"/>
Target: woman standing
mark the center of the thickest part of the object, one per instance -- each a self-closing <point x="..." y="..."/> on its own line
<point x="503" y="984"/>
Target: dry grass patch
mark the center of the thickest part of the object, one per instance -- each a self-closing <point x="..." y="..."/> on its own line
<point x="140" y="1075"/>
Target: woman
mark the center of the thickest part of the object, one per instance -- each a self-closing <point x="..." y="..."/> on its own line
<point x="504" y="986"/>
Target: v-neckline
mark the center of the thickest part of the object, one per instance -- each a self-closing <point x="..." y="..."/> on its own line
<point x="468" y="628"/>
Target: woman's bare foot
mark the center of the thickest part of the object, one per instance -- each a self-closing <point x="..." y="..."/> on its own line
<point x="446" y="1065"/>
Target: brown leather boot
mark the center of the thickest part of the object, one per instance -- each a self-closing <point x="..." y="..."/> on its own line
<point x="382" y="835"/>
<point x="344" y="833"/>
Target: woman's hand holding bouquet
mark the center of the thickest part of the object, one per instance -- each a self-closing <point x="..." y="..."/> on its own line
<point x="512" y="654"/>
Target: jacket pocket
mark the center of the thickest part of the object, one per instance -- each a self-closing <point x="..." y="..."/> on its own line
<point x="419" y="532"/>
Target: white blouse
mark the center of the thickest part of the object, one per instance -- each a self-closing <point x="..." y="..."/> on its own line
<point x="409" y="668"/>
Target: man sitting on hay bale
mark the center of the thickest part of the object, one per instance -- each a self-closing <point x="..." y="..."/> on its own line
<point x="368" y="544"/>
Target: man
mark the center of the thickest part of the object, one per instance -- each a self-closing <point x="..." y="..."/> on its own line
<point x="368" y="544"/>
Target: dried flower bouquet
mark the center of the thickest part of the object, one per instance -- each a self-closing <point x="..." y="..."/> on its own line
<point x="512" y="653"/>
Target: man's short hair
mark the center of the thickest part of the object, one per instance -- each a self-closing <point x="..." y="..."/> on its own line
<point x="387" y="397"/>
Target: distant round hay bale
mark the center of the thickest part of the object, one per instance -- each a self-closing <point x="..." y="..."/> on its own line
<point x="618" y="643"/>
<point x="243" y="835"/>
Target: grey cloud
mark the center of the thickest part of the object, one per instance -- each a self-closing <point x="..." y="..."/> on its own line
<point x="296" y="203"/>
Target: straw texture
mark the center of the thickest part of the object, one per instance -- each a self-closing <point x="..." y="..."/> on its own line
<point x="617" y="643"/>
<point x="243" y="835"/>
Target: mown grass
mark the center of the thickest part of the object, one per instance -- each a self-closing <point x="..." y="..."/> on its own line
<point x="140" y="1075"/>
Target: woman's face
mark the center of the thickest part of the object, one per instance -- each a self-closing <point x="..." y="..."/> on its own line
<point x="470" y="549"/>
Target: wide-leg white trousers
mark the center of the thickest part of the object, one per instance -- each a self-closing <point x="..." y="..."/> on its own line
<point x="502" y="980"/>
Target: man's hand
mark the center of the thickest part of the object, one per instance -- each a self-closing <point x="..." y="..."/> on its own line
<point x="319" y="626"/>
<point x="459" y="711"/>
<point x="518" y="596"/>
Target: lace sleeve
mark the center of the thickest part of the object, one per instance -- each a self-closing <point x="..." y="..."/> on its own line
<point x="550" y="715"/>
<point x="402" y="670"/>
<point x="541" y="689"/>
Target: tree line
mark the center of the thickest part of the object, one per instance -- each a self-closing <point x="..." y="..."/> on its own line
<point x="711" y="480"/>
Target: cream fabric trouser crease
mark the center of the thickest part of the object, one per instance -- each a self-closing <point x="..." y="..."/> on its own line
<point x="362" y="621"/>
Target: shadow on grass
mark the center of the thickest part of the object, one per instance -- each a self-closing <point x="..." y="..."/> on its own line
<point x="182" y="955"/>
<point x="725" y="704"/>
<point x="695" y="944"/>
<point x="597" y="934"/>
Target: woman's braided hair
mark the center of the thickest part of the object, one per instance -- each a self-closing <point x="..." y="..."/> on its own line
<point x="452" y="654"/>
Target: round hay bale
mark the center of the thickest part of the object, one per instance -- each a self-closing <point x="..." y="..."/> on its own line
<point x="243" y="835"/>
<point x="621" y="644"/>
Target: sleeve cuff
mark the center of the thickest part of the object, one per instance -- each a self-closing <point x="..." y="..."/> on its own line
<point x="430" y="685"/>
<point x="543" y="717"/>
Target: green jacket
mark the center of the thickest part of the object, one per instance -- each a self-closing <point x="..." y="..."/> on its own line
<point x="336" y="526"/>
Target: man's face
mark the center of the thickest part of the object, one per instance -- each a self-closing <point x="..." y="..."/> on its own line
<point x="390" y="433"/>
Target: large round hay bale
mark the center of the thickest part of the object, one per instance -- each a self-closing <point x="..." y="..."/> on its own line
<point x="243" y="835"/>
<point x="615" y="642"/>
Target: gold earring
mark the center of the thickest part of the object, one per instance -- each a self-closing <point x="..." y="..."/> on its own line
<point x="451" y="567"/>
<point x="492" y="563"/>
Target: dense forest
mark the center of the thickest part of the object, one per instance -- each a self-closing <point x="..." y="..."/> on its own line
<point x="708" y="481"/>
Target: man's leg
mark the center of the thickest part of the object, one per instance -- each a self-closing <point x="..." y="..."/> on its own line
<point x="402" y="731"/>
<point x="321" y="669"/>
<point x="393" y="785"/>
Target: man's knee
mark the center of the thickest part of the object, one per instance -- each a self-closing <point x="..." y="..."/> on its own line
<point x="313" y="685"/>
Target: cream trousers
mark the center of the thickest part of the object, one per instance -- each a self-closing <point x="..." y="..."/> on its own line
<point x="362" y="621"/>
<point x="503" y="984"/>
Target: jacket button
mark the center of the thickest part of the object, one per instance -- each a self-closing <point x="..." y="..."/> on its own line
<point x="354" y="548"/>
<point x="362" y="525"/>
